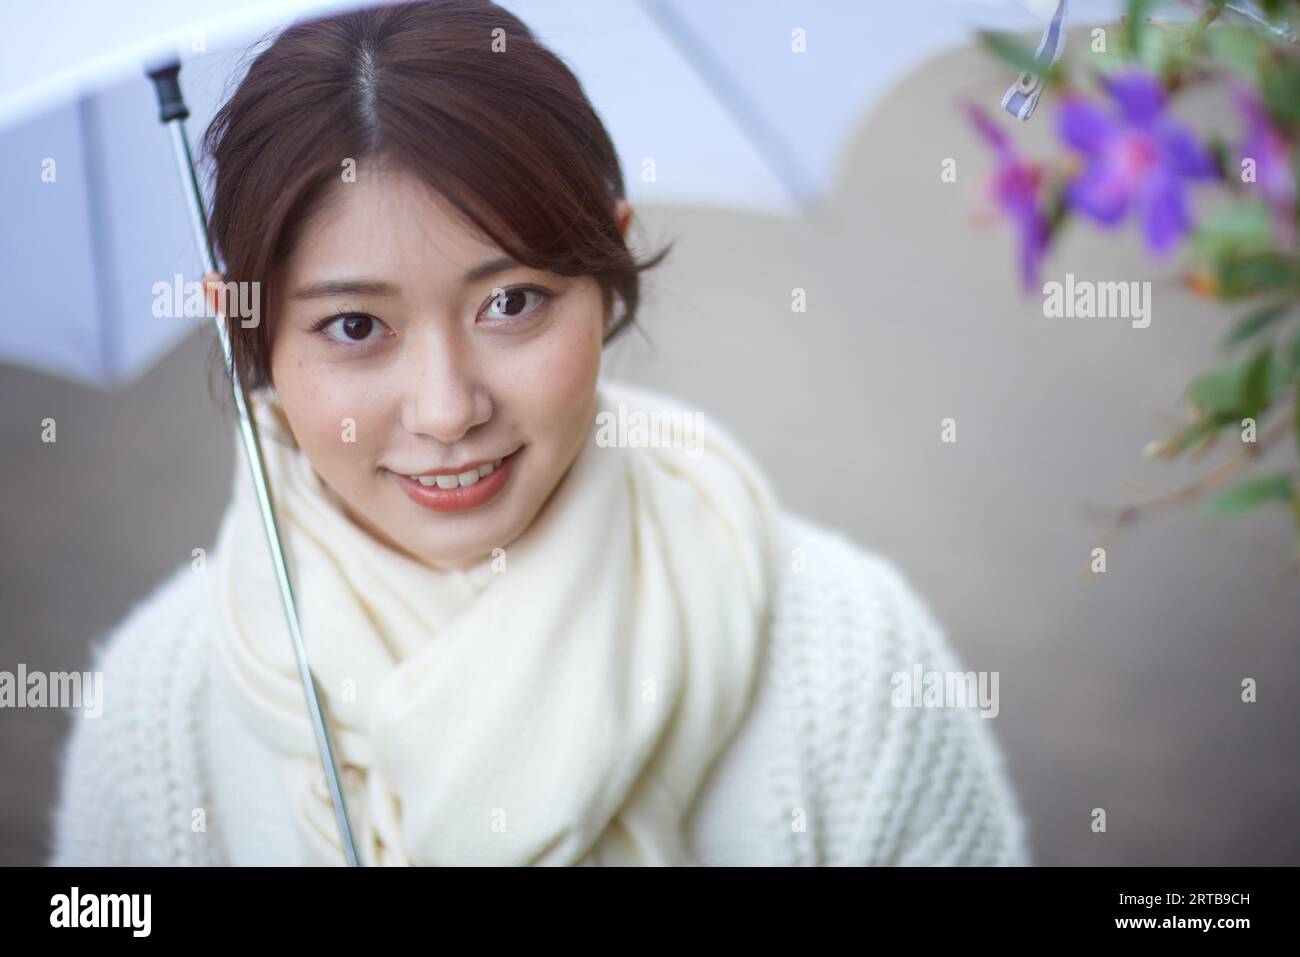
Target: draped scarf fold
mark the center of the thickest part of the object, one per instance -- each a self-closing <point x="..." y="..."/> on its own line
<point x="562" y="701"/>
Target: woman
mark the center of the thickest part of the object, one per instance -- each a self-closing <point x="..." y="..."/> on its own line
<point x="540" y="638"/>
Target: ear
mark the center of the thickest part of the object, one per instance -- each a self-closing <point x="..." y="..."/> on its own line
<point x="623" y="213"/>
<point x="211" y="284"/>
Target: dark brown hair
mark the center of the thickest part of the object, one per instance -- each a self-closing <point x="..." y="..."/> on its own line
<point x="508" y="138"/>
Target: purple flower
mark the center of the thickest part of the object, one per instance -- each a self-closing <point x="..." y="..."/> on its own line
<point x="1014" y="186"/>
<point x="1139" y="159"/>
<point x="1269" y="150"/>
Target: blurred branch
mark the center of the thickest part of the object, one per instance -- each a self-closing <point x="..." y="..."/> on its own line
<point x="1127" y="515"/>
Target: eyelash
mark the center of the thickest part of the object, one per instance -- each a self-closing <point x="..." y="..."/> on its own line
<point x="322" y="324"/>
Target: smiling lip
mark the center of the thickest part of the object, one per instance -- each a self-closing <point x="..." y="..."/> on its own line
<point x="458" y="499"/>
<point x="456" y="471"/>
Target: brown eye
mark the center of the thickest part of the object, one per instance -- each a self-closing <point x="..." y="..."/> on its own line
<point x="357" y="328"/>
<point x="513" y="303"/>
<point x="353" y="327"/>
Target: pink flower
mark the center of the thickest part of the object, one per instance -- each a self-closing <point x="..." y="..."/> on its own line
<point x="1014" y="186"/>
<point x="1274" y="174"/>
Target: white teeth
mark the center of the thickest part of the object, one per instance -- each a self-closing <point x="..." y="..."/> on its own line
<point x="463" y="480"/>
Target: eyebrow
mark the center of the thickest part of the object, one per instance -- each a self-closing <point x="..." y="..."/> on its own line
<point x="374" y="287"/>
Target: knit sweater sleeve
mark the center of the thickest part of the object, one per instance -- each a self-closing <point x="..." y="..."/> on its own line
<point x="888" y="782"/>
<point x="129" y="780"/>
<point x="88" y="824"/>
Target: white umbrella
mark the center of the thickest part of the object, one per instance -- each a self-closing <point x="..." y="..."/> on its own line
<point x="744" y="103"/>
<point x="735" y="108"/>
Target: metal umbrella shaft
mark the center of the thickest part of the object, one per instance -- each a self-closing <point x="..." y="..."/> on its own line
<point x="173" y="112"/>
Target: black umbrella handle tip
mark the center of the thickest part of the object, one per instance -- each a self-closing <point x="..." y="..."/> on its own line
<point x="167" y="84"/>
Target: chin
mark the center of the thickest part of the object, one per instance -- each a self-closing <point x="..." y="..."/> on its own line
<point x="458" y="552"/>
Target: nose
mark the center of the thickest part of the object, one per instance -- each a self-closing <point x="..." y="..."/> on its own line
<point x="447" y="397"/>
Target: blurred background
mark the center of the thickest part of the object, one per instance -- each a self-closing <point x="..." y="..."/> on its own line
<point x="1118" y="690"/>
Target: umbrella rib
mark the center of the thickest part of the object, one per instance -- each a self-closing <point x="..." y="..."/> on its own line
<point x="760" y="134"/>
<point x="102" y="250"/>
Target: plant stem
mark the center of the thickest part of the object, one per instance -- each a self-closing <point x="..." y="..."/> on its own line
<point x="1128" y="515"/>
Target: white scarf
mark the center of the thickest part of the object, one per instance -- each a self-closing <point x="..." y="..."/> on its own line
<point x="562" y="709"/>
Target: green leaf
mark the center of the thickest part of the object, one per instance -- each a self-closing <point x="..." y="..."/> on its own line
<point x="1281" y="88"/>
<point x="1134" y="27"/>
<point x="1248" y="273"/>
<point x="1293" y="364"/>
<point x="1244" y="389"/>
<point x="1256" y="381"/>
<point x="1218" y="390"/>
<point x="1237" y="48"/>
<point x="1014" y="52"/>
<point x="1256" y="322"/>
<point x="1244" y="227"/>
<point x="1198" y="432"/>
<point x="1279" y="379"/>
<point x="1249" y="494"/>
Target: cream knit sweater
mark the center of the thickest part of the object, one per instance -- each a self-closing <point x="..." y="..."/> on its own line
<point x="824" y="770"/>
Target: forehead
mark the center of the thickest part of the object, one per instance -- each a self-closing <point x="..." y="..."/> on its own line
<point x="388" y="225"/>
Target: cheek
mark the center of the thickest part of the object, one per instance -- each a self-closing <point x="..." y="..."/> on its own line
<point x="324" y="409"/>
<point x="558" y="372"/>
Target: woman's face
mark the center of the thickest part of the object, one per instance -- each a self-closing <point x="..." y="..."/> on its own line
<point x="405" y="347"/>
